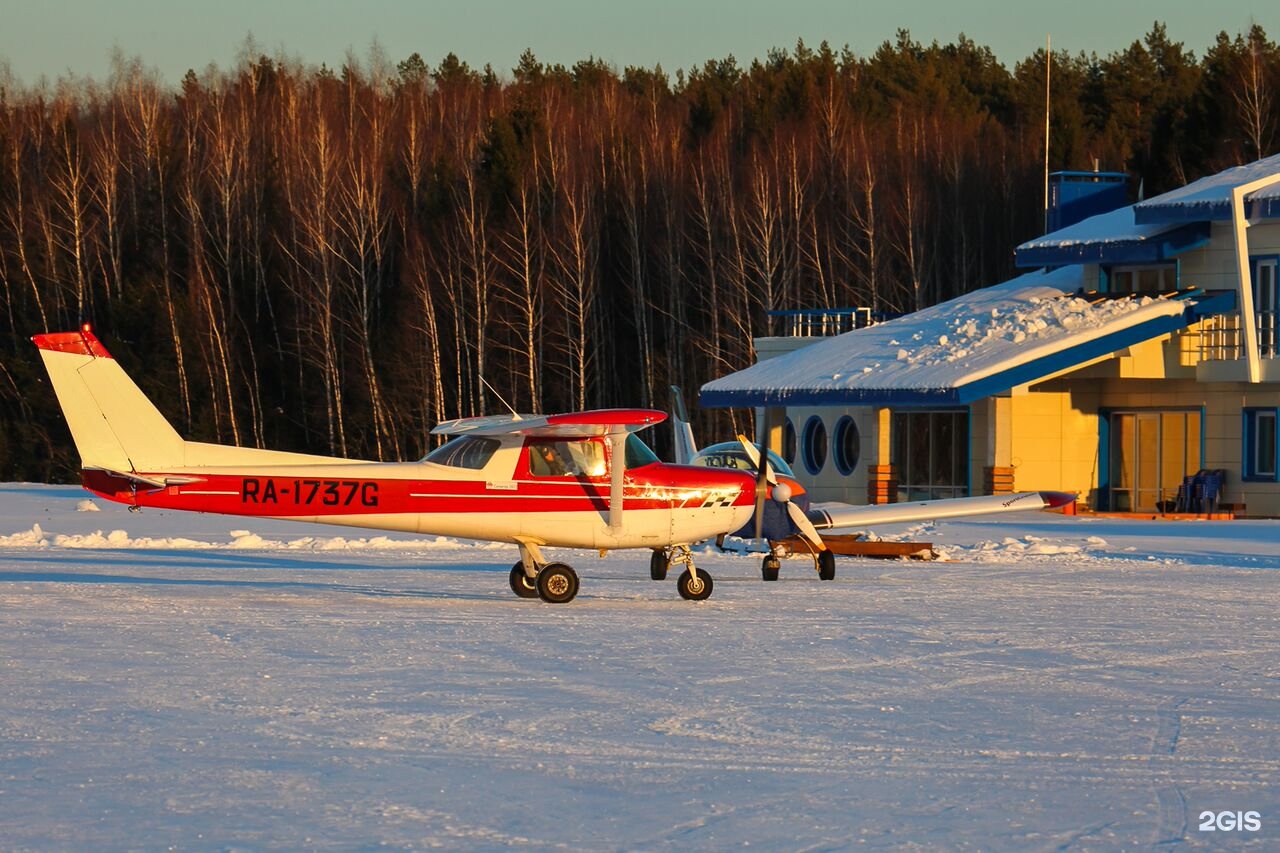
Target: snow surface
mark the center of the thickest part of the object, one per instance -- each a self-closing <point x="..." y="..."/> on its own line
<point x="953" y="343"/>
<point x="1060" y="683"/>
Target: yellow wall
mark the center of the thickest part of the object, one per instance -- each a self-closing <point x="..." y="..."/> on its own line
<point x="1053" y="443"/>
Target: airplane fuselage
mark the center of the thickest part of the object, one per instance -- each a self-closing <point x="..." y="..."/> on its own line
<point x="662" y="503"/>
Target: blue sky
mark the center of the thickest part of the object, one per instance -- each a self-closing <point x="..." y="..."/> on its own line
<point x="56" y="37"/>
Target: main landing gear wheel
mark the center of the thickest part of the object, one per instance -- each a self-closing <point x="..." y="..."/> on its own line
<point x="826" y="565"/>
<point x="557" y="583"/>
<point x="694" y="588"/>
<point x="521" y="584"/>
<point x="658" y="565"/>
<point x="769" y="568"/>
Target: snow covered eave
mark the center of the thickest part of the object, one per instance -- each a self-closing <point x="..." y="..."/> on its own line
<point x="1161" y="244"/>
<point x="1209" y="199"/>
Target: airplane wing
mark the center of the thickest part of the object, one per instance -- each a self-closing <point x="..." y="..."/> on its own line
<point x="832" y="514"/>
<point x="574" y="425"/>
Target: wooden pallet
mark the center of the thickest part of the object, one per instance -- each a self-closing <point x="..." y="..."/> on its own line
<point x="856" y="546"/>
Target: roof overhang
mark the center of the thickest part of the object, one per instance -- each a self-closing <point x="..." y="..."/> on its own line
<point x="1209" y="199"/>
<point x="1084" y="243"/>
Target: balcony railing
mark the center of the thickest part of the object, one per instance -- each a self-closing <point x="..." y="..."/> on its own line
<point x="1220" y="338"/>
<point x="821" y="322"/>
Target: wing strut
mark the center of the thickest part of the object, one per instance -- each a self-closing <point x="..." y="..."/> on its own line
<point x="617" y="470"/>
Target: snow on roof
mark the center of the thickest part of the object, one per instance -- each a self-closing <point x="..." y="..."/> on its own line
<point x="1115" y="226"/>
<point x="1112" y="237"/>
<point x="978" y="344"/>
<point x="1210" y="197"/>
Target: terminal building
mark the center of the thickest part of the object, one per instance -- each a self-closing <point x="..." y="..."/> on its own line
<point x="1136" y="363"/>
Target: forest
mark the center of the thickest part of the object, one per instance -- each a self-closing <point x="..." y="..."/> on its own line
<point x="333" y="260"/>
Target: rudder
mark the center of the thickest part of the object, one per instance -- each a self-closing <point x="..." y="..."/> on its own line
<point x="114" y="425"/>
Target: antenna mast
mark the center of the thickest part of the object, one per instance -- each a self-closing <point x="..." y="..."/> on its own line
<point x="514" y="414"/>
<point x="1048" y="68"/>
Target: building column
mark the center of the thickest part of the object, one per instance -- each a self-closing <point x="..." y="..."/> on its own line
<point x="882" y="477"/>
<point x="997" y="474"/>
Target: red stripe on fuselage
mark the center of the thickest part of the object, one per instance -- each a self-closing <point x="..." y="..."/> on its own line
<point x="310" y="496"/>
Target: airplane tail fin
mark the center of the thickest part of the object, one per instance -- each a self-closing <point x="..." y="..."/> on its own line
<point x="114" y="425"/>
<point x="685" y="447"/>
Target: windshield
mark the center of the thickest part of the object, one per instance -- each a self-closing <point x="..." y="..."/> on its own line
<point x="638" y="453"/>
<point x="465" y="451"/>
<point x="730" y="454"/>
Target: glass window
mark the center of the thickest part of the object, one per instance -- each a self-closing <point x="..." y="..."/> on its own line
<point x="637" y="453"/>
<point x="730" y="454"/>
<point x="848" y="445"/>
<point x="1159" y="278"/>
<point x="1150" y="455"/>
<point x="1266" y="304"/>
<point x="578" y="458"/>
<point x="931" y="453"/>
<point x="1260" y="444"/>
<point x="814" y="444"/>
<point x="465" y="451"/>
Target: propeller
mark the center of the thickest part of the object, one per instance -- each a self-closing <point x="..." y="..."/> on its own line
<point x="764" y="478"/>
<point x="781" y="493"/>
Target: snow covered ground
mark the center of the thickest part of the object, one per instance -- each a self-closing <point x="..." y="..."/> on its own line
<point x="1058" y="683"/>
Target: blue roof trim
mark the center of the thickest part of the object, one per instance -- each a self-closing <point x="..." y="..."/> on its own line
<point x="1216" y="210"/>
<point x="1198" y="306"/>
<point x="1161" y="247"/>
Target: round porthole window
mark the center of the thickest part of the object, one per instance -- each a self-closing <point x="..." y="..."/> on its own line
<point x="789" y="442"/>
<point x="814" y="444"/>
<point x="848" y="445"/>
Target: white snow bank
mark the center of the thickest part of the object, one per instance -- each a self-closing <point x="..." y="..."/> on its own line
<point x="240" y="540"/>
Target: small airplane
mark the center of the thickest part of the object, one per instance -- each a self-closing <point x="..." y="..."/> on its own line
<point x="580" y="480"/>
<point x="784" y="510"/>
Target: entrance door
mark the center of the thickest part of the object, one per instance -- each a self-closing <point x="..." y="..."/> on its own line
<point x="1150" y="453"/>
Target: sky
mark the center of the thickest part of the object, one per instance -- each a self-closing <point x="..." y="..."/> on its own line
<point x="60" y="38"/>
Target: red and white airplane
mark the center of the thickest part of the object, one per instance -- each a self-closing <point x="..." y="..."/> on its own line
<point x="581" y="480"/>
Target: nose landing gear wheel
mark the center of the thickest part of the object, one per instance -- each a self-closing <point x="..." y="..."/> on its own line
<point x="658" y="565"/>
<point x="826" y="565"/>
<point x="769" y="569"/>
<point x="694" y="588"/>
<point x="521" y="584"/>
<point x="557" y="583"/>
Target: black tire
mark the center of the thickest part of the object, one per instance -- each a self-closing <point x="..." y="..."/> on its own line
<point x="694" y="590"/>
<point x="826" y="565"/>
<point x="769" y="568"/>
<point x="521" y="585"/>
<point x="658" y="565"/>
<point x="557" y="583"/>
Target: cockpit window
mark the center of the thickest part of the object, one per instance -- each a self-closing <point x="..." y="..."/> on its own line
<point x="730" y="454"/>
<point x="465" y="451"/>
<point x="637" y="453"/>
<point x="550" y="458"/>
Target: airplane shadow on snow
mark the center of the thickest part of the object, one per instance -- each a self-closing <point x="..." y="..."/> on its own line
<point x="186" y="560"/>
